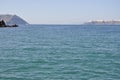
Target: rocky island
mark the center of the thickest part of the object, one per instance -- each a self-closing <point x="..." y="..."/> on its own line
<point x="103" y="22"/>
<point x="11" y="21"/>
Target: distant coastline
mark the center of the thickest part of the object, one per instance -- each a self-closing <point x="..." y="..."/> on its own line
<point x="103" y="22"/>
<point x="97" y="22"/>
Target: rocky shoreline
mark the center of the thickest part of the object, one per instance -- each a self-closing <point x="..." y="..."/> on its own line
<point x="3" y="24"/>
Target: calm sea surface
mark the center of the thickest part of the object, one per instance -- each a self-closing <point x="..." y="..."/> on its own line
<point x="40" y="52"/>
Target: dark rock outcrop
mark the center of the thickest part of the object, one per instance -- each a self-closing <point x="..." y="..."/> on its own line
<point x="2" y="24"/>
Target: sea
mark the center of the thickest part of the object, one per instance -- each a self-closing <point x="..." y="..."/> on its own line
<point x="60" y="52"/>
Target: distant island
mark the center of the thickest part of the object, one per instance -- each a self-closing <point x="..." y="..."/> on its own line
<point x="12" y="19"/>
<point x="103" y="22"/>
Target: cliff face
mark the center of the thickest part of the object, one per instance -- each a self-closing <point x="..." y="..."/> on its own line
<point x="13" y="19"/>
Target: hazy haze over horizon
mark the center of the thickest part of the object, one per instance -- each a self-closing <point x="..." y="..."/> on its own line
<point x="62" y="11"/>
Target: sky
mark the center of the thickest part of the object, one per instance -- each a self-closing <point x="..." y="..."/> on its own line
<point x="62" y="11"/>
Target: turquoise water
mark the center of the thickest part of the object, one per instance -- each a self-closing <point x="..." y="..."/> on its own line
<point x="56" y="52"/>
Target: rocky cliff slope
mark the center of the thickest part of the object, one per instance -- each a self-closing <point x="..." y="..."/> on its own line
<point x="12" y="19"/>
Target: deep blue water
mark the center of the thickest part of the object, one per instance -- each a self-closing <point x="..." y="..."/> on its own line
<point x="56" y="52"/>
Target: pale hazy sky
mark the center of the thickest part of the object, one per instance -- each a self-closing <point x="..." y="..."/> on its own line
<point x="62" y="11"/>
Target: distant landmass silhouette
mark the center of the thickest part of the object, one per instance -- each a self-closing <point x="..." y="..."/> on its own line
<point x="13" y="19"/>
<point x="102" y="22"/>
